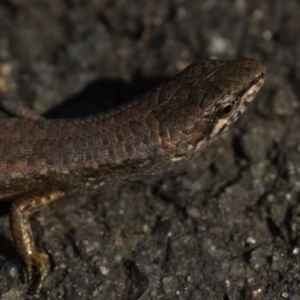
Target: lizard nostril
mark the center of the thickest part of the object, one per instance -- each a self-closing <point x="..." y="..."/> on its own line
<point x="257" y="78"/>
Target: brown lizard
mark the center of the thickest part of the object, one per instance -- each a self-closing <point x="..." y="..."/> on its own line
<point x="43" y="160"/>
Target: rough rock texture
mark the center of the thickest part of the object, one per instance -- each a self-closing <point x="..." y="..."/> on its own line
<point x="226" y="226"/>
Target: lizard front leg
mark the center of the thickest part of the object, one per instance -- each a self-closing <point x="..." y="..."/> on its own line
<point x="16" y="108"/>
<point x="10" y="103"/>
<point x="21" y="210"/>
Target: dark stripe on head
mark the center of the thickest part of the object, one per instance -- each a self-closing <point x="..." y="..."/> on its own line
<point x="223" y="128"/>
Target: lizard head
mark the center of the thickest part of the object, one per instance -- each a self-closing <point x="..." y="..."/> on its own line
<point x="210" y="96"/>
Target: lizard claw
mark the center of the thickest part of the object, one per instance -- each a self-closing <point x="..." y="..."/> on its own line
<point x="36" y="262"/>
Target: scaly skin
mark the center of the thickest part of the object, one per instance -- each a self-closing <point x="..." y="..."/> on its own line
<point x="44" y="160"/>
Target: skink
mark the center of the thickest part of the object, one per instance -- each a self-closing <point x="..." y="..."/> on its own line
<point x="44" y="160"/>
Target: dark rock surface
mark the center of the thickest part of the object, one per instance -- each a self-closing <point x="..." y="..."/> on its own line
<point x="226" y="226"/>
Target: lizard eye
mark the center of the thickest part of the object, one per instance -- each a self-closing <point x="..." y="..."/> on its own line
<point x="225" y="109"/>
